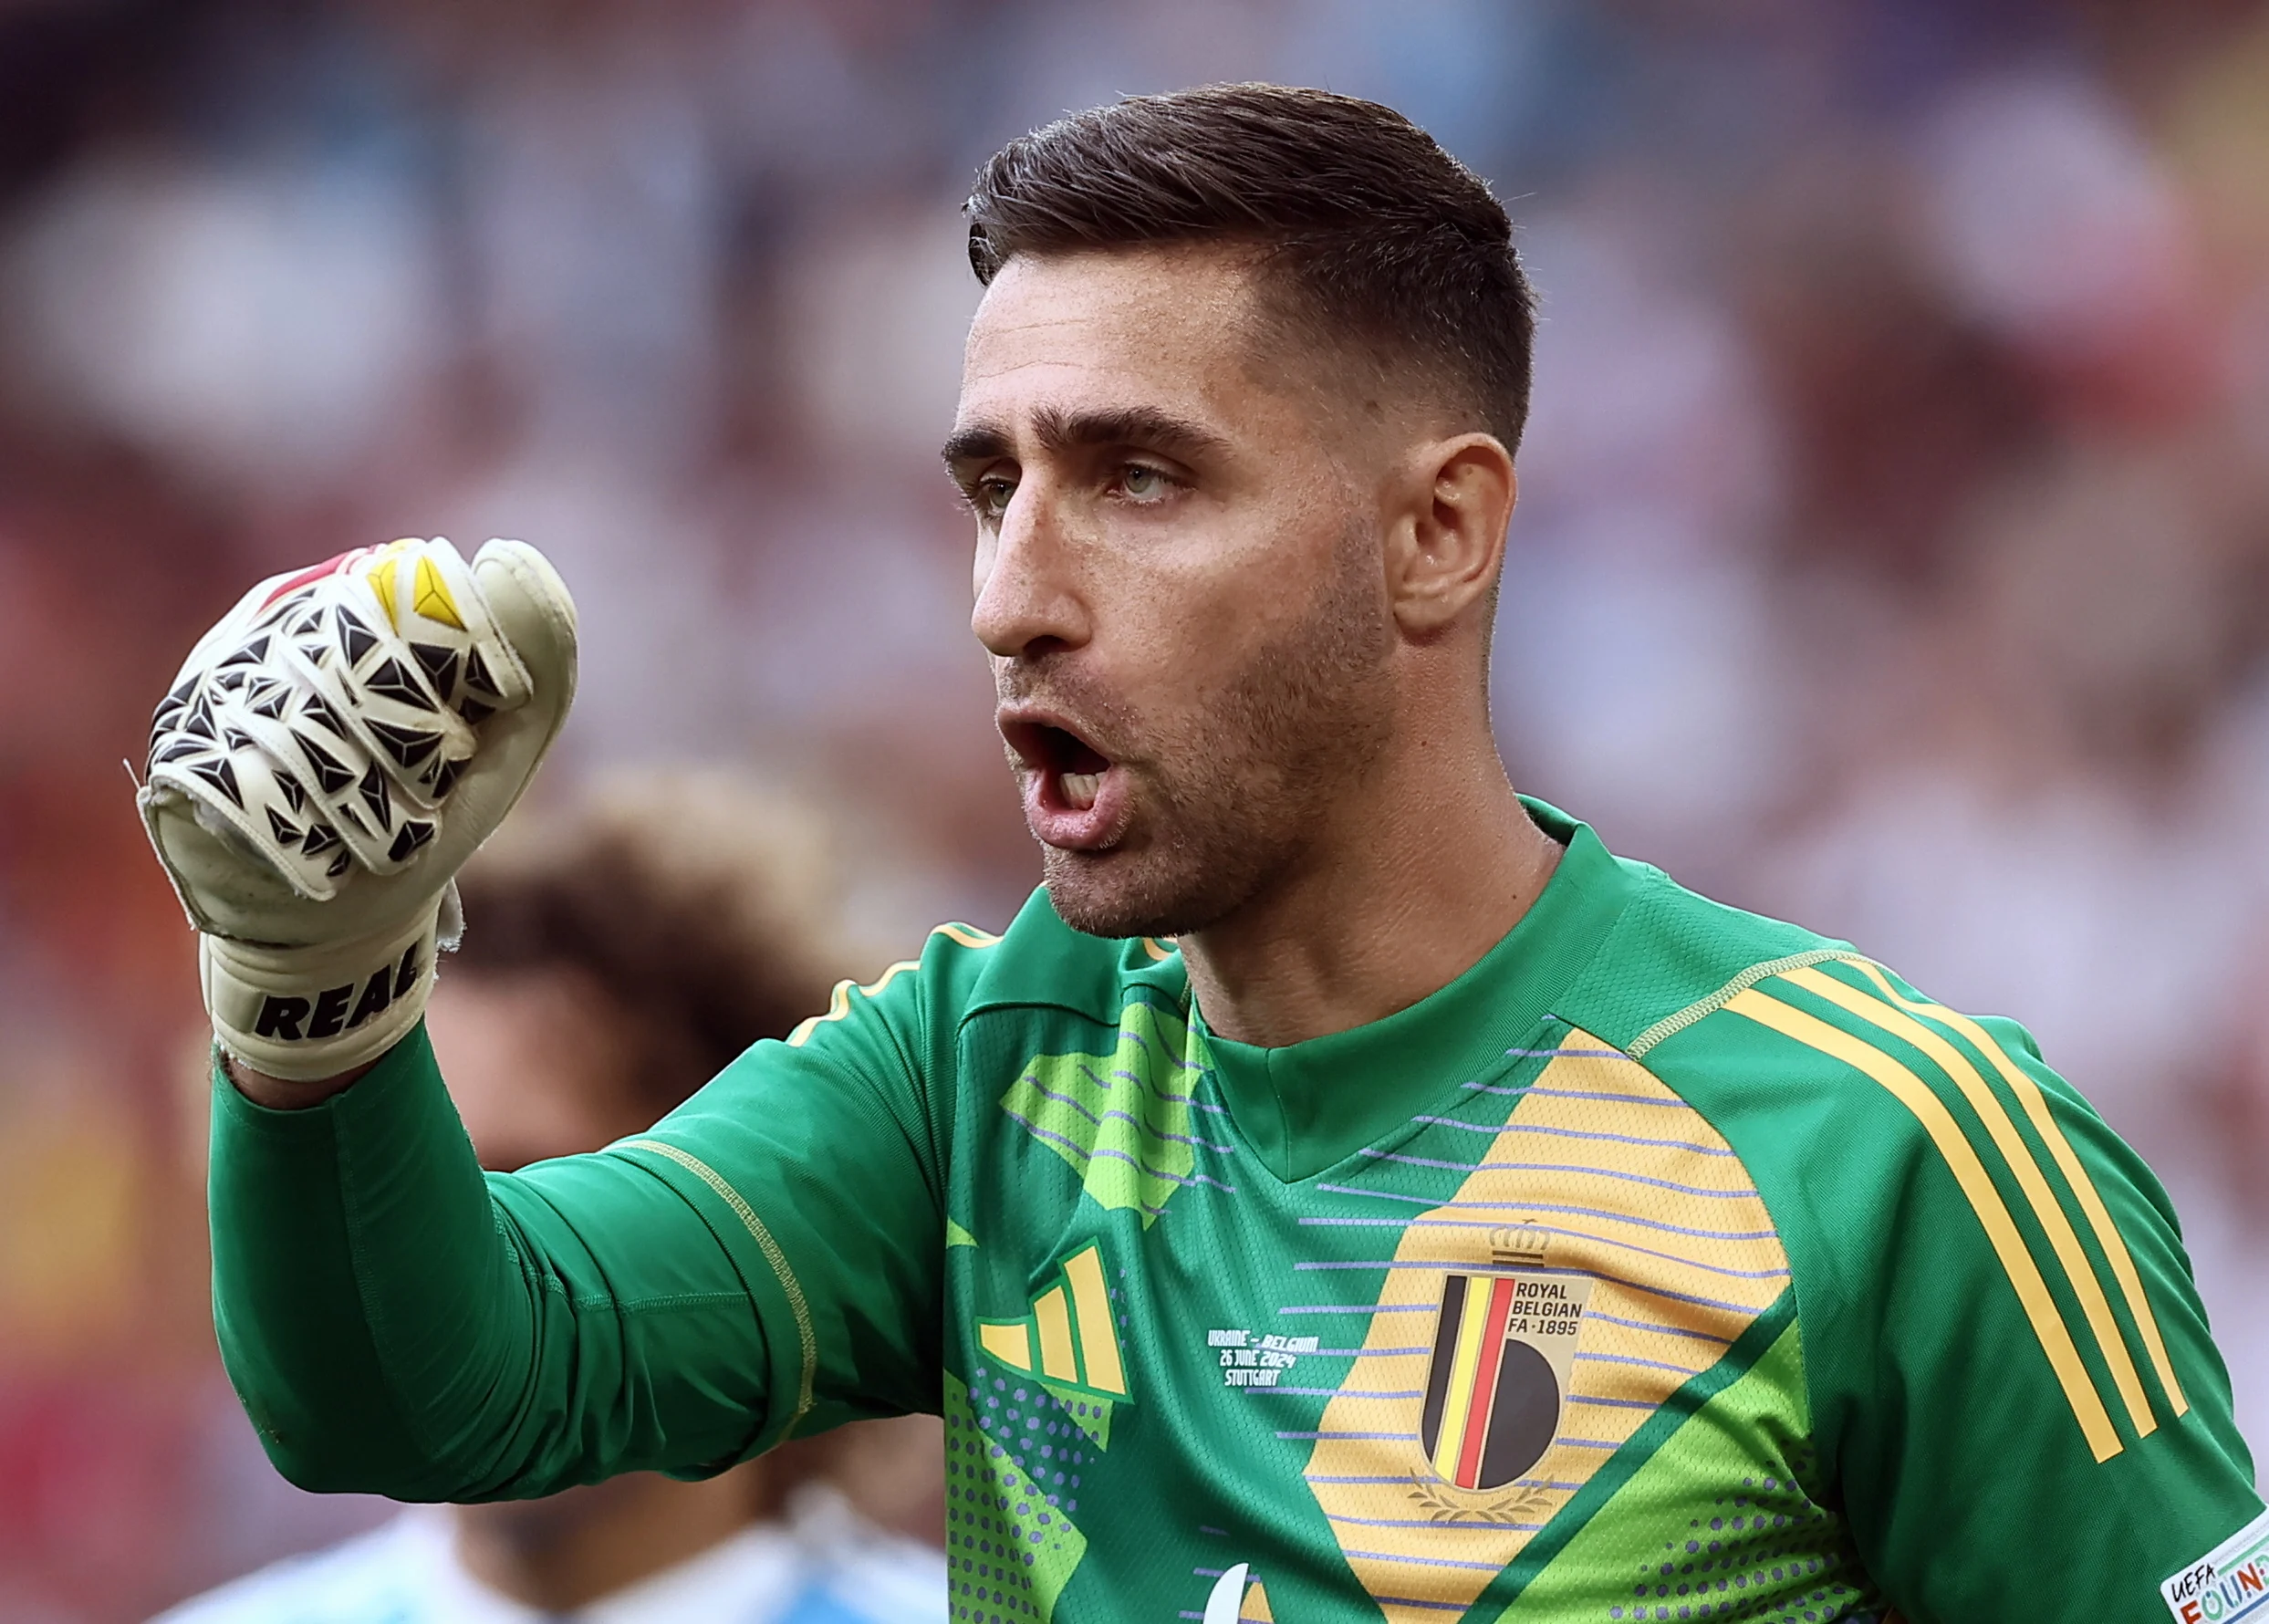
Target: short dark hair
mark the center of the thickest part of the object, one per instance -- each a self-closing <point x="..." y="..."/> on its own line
<point x="1379" y="237"/>
<point x="694" y="905"/>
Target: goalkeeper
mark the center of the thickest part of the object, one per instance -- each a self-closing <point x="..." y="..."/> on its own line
<point x="1346" y="1190"/>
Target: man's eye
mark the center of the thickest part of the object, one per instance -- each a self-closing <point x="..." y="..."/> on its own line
<point x="991" y="496"/>
<point x="1143" y="484"/>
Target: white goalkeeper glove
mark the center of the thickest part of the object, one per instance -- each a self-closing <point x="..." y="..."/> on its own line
<point x="331" y="753"/>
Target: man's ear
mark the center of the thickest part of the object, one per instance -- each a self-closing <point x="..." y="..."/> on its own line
<point x="1443" y="556"/>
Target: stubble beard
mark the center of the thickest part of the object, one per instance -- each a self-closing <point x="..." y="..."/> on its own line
<point x="1230" y="798"/>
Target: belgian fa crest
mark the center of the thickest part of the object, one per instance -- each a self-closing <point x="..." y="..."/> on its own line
<point x="1497" y="1383"/>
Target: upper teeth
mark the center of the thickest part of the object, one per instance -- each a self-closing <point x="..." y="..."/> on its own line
<point x="1081" y="789"/>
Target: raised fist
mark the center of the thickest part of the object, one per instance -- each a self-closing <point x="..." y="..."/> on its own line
<point x="330" y="755"/>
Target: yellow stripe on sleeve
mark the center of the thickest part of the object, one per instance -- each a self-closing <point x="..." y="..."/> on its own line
<point x="2029" y="1095"/>
<point x="2019" y="1156"/>
<point x="1961" y="1160"/>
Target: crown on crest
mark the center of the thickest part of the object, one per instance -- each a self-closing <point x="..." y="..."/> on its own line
<point x="1518" y="1244"/>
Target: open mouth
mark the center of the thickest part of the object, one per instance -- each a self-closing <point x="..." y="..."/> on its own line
<point x="1073" y="767"/>
<point x="1069" y="785"/>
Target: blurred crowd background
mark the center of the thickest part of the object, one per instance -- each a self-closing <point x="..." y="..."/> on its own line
<point x="1893" y="550"/>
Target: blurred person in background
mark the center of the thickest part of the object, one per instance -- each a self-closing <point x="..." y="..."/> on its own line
<point x="626" y="952"/>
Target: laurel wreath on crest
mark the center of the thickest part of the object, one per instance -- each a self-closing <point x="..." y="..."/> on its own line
<point x="1442" y="1508"/>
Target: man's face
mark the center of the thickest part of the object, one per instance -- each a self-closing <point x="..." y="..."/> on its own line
<point x="1179" y="578"/>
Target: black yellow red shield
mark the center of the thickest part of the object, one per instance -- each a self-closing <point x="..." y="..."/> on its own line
<point x="1498" y="1380"/>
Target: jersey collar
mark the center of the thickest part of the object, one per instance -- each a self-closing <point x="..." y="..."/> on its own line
<point x="1309" y="1106"/>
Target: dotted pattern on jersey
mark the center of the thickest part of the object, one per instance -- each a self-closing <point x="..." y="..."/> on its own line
<point x="1767" y="1553"/>
<point x="1013" y="1460"/>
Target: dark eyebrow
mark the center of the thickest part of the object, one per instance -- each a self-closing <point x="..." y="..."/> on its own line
<point x="1126" y="425"/>
<point x="1058" y="430"/>
<point x="975" y="443"/>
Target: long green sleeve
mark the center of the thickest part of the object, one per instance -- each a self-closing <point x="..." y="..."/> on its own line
<point x="764" y="1260"/>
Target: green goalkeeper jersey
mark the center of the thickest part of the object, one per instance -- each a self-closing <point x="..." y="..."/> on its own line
<point x="1672" y="1263"/>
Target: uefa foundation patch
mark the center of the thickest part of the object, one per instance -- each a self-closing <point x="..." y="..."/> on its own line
<point x="2231" y="1582"/>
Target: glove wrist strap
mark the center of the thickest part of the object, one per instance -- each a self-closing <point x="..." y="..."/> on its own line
<point x="305" y="1014"/>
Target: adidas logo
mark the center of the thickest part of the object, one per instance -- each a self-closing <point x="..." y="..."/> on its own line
<point x="1071" y="1338"/>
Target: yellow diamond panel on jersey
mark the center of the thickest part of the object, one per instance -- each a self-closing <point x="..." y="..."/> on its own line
<point x="1635" y="1198"/>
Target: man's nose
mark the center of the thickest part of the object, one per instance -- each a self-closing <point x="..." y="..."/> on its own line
<point x="1029" y="597"/>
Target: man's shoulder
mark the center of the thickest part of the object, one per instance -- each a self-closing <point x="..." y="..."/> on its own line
<point x="1674" y="957"/>
<point x="1861" y="1106"/>
<point x="1791" y="1043"/>
<point x="1038" y="983"/>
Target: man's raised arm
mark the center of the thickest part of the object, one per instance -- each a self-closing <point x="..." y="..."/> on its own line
<point x="394" y="1320"/>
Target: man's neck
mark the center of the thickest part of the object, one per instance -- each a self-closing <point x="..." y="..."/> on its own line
<point x="1406" y="892"/>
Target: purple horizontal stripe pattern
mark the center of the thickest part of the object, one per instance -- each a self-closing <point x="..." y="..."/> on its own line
<point x="1420" y="1561"/>
<point x="1525" y="1090"/>
<point x="1465" y="1267"/>
<point x="1330" y="1392"/>
<point x="1559" y="1167"/>
<point x="1432" y="1607"/>
<point x="1516" y="1208"/>
<point x="1362" y="1308"/>
<point x="1550" y="1229"/>
<point x="1155" y="1132"/>
<point x="1666" y="1330"/>
<point x="1587" y="1133"/>
<point x="1358" y="1437"/>
<point x="1118" y="1155"/>
<point x="1428" y="1523"/>
<point x="1625" y="1358"/>
<point x="1375" y="1353"/>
